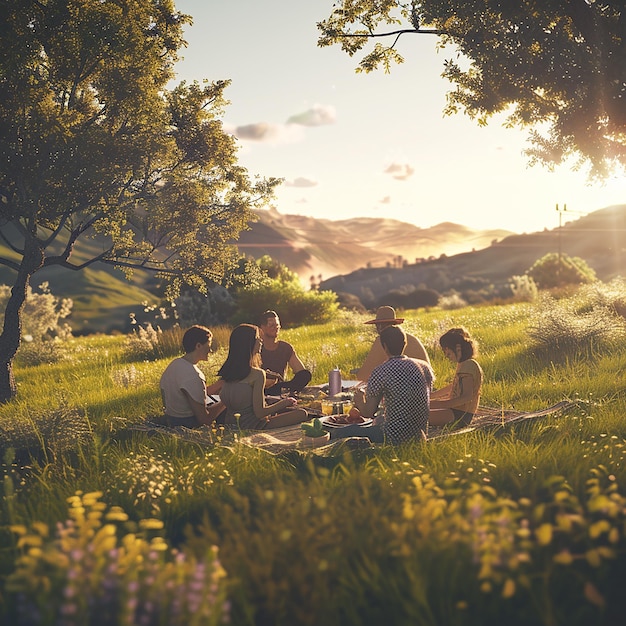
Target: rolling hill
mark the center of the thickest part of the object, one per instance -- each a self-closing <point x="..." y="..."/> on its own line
<point x="361" y="253"/>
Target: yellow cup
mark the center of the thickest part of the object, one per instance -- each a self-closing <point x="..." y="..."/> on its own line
<point x="327" y="407"/>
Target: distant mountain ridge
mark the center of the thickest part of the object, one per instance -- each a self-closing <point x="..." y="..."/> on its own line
<point x="312" y="246"/>
<point x="599" y="238"/>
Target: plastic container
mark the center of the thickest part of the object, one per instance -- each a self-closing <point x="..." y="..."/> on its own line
<point x="334" y="382"/>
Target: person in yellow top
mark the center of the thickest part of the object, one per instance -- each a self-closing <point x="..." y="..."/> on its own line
<point x="386" y="317"/>
<point x="457" y="402"/>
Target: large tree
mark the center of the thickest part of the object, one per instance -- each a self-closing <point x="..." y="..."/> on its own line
<point x="558" y="66"/>
<point x="93" y="143"/>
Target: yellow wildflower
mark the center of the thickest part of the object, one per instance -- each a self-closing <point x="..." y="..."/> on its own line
<point x="563" y="558"/>
<point x="508" y="591"/>
<point x="599" y="527"/>
<point x="150" y="524"/>
<point x="544" y="534"/>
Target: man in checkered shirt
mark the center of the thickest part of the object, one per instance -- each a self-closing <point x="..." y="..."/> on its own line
<point x="404" y="385"/>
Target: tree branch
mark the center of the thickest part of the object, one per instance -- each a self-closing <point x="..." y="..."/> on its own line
<point x="142" y="265"/>
<point x="12" y="264"/>
<point x="9" y="244"/>
<point x="55" y="233"/>
<point x="393" y="32"/>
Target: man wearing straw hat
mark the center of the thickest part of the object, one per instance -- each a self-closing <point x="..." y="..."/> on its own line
<point x="385" y="317"/>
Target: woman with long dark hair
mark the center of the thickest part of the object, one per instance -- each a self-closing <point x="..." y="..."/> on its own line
<point x="458" y="401"/>
<point x="244" y="385"/>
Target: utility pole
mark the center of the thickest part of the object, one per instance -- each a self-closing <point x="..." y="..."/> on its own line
<point x="560" y="212"/>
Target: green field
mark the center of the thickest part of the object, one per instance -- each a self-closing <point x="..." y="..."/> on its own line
<point x="521" y="525"/>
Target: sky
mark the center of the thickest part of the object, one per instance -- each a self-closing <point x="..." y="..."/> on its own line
<point x="368" y="145"/>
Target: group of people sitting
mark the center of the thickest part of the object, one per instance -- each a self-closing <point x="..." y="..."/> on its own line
<point x="395" y="382"/>
<point x="250" y="378"/>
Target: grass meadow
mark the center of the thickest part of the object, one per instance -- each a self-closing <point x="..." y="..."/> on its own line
<point x="526" y="524"/>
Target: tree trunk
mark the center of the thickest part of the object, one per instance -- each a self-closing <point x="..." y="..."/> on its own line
<point x="12" y="328"/>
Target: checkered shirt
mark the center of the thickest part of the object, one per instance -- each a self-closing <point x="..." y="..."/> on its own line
<point x="405" y="385"/>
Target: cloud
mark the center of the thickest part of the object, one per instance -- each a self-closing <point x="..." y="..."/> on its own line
<point x="400" y="171"/>
<point x="300" y="181"/>
<point x="290" y="132"/>
<point x="266" y="132"/>
<point x="261" y="131"/>
<point x="386" y="200"/>
<point x="317" y="115"/>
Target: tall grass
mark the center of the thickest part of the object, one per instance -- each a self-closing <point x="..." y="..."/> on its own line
<point x="522" y="525"/>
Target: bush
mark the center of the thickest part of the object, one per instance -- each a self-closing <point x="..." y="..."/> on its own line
<point x="561" y="326"/>
<point x="611" y="296"/>
<point x="32" y="353"/>
<point x="193" y="307"/>
<point x="452" y="301"/>
<point x="294" y="305"/>
<point x="149" y="343"/>
<point x="350" y="302"/>
<point x="557" y="270"/>
<point x="49" y="432"/>
<point x="42" y="332"/>
<point x="524" y="288"/>
<point x="41" y="314"/>
<point x="410" y="298"/>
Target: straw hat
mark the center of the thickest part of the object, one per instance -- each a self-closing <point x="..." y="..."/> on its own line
<point x="386" y="315"/>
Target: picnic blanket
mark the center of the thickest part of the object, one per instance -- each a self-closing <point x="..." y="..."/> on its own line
<point x="289" y="438"/>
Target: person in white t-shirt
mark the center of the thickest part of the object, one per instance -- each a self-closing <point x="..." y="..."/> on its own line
<point x="183" y="385"/>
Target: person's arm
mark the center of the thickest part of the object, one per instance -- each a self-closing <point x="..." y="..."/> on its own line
<point x="215" y="388"/>
<point x="421" y="352"/>
<point x="215" y="409"/>
<point x="368" y="407"/>
<point x="202" y="414"/>
<point x="271" y="378"/>
<point x="442" y="394"/>
<point x="375" y="357"/>
<point x="466" y="386"/>
<point x="258" y="397"/>
<point x="295" y="363"/>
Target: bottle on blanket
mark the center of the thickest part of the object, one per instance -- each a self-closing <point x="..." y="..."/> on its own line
<point x="334" y="382"/>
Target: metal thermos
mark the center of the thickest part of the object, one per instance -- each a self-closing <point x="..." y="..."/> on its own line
<point x="334" y="382"/>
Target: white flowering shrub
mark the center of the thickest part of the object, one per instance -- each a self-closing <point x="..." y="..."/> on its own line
<point x="42" y="329"/>
<point x="452" y="301"/>
<point x="42" y="313"/>
<point x="127" y="377"/>
<point x="146" y="343"/>
<point x="567" y="327"/>
<point x="611" y="296"/>
<point x="524" y="288"/>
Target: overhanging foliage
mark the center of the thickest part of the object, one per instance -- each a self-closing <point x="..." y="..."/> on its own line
<point x="556" y="64"/>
